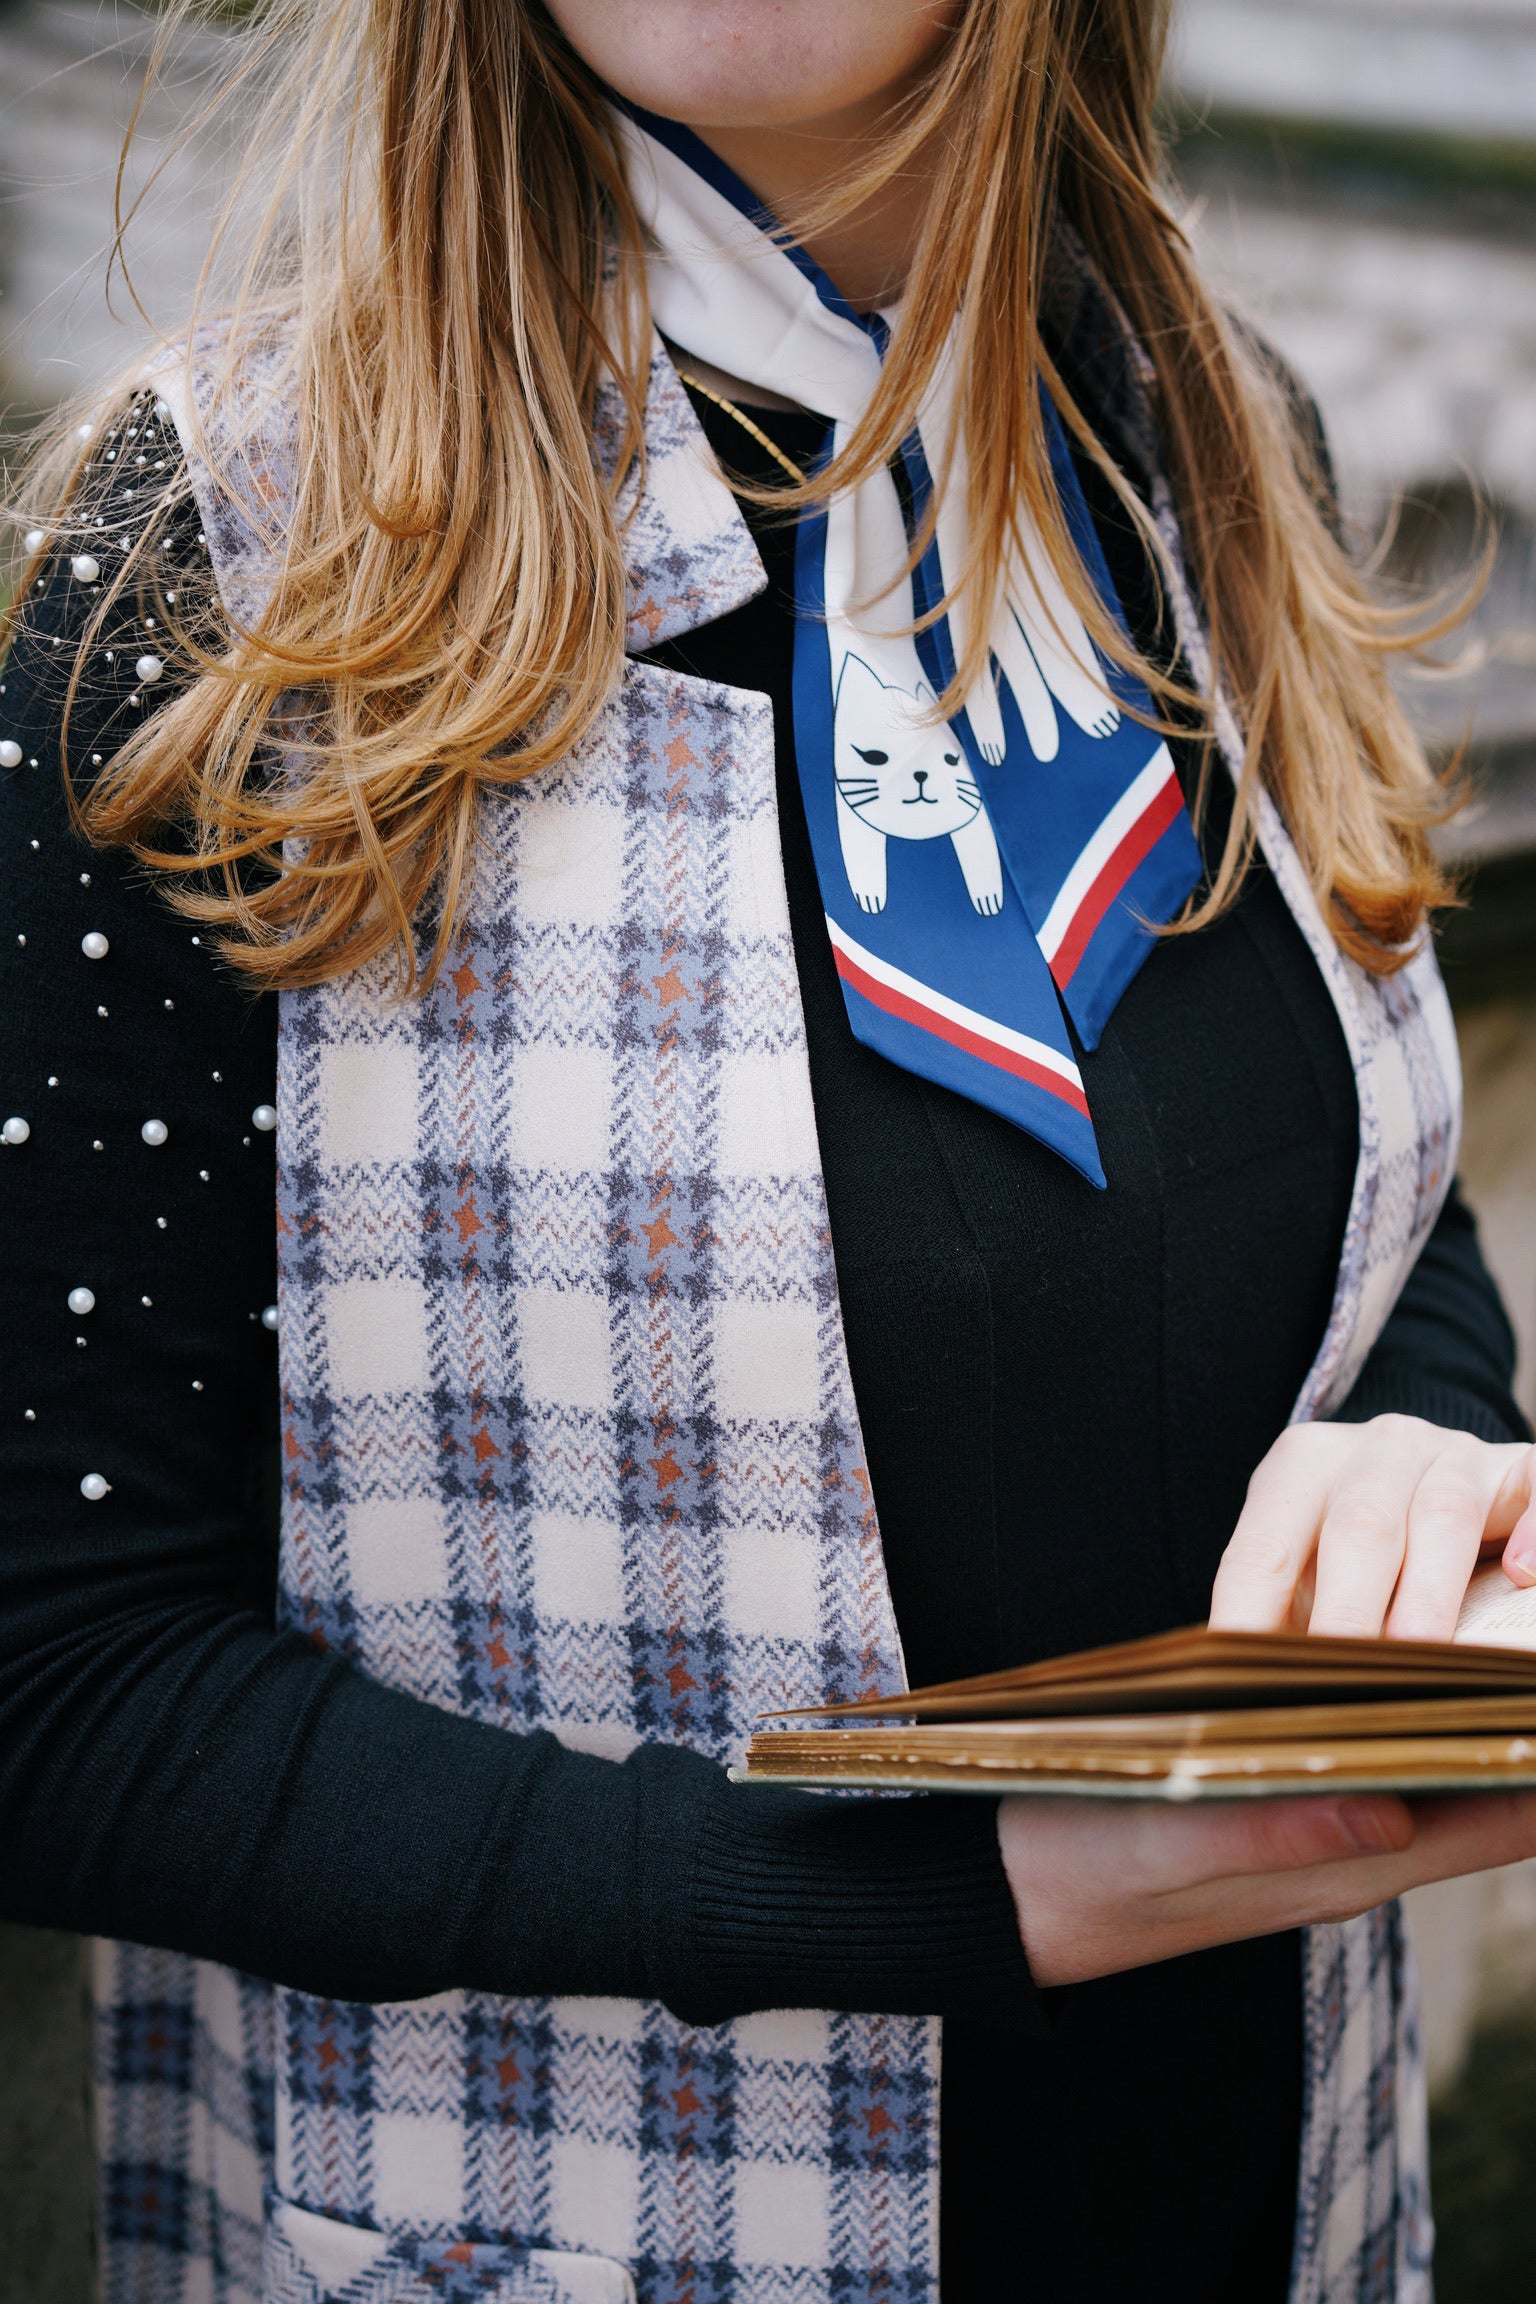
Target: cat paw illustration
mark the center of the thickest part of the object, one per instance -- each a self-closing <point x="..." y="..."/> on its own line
<point x="975" y="847"/>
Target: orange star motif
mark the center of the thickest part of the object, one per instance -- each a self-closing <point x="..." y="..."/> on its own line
<point x="878" y="2121"/>
<point x="468" y="1221"/>
<point x="666" y="1468"/>
<point x="485" y="1448"/>
<point x="659" y="1234"/>
<point x="464" y="980"/>
<point x="680" y="1679"/>
<point x="671" y="988"/>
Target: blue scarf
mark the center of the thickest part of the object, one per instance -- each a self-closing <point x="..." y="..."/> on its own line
<point x="985" y="878"/>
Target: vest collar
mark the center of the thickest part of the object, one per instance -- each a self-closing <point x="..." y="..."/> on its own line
<point x="688" y="551"/>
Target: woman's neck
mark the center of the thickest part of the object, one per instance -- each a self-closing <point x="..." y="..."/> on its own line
<point x="867" y="253"/>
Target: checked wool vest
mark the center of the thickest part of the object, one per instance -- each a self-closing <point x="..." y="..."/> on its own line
<point x="571" y="1443"/>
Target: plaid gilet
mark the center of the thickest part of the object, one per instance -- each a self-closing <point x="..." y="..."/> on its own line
<point x="571" y="1443"/>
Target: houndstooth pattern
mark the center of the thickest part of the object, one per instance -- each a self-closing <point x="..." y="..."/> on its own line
<point x="184" y="2089"/>
<point x="573" y="1444"/>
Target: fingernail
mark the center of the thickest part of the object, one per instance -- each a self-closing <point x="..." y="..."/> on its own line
<point x="1370" y="1827"/>
<point x="1520" y="1566"/>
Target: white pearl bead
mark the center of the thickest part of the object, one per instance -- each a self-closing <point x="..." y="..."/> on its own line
<point x="84" y="568"/>
<point x="265" y="1118"/>
<point x="84" y="431"/>
<point x="81" y="1301"/>
<point x="10" y="753"/>
<point x="148" y="669"/>
<point x="94" y="945"/>
<point x="154" y="1131"/>
<point x="35" y="539"/>
<point x="162" y="412"/>
<point x="269" y="1317"/>
<point x="93" y="1488"/>
<point x="15" y="1131"/>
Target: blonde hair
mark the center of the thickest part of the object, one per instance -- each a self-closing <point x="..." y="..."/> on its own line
<point x="450" y="252"/>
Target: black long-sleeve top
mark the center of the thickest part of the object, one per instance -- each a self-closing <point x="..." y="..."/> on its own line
<point x="1062" y="1395"/>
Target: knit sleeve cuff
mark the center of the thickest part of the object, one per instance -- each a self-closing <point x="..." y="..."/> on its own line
<point x="1395" y="1388"/>
<point x="809" y="1900"/>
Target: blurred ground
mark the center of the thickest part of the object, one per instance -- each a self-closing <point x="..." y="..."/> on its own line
<point x="45" y="2181"/>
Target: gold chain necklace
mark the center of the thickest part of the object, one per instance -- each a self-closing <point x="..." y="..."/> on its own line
<point x="785" y="463"/>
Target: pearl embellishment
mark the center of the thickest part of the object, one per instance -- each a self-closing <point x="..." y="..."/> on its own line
<point x="148" y="669"/>
<point x="93" y="1487"/>
<point x="15" y="1131"/>
<point x="10" y="753"/>
<point x="265" y="1118"/>
<point x="84" y="569"/>
<point x="81" y="1301"/>
<point x="269" y="1318"/>
<point x="95" y="945"/>
<point x="34" y="539"/>
<point x="154" y="1131"/>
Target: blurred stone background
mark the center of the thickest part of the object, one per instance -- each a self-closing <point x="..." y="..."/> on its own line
<point x="1361" y="174"/>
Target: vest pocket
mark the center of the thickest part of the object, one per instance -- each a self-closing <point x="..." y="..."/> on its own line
<point x="310" y="2259"/>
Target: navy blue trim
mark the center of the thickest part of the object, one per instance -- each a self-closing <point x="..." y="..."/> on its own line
<point x="694" y="153"/>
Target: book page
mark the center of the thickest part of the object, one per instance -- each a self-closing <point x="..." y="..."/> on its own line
<point x="1496" y="1613"/>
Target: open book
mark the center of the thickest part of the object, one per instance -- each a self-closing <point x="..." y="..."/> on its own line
<point x="1199" y="1714"/>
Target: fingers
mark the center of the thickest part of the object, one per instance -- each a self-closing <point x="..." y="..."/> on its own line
<point x="1384" y="1520"/>
<point x="1276" y="1533"/>
<point x="1448" y="1517"/>
<point x="1363" y="1540"/>
<point x="1178" y="1849"/>
<point x="1519" y="1498"/>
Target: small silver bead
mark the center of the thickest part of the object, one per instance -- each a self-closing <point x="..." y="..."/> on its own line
<point x="93" y="1487"/>
<point x="81" y="1301"/>
<point x="84" y="569"/>
<point x="97" y="1144"/>
<point x="85" y="879"/>
<point x="269" y="1317"/>
<point x="34" y="539"/>
<point x="29" y="1415"/>
<point x="154" y="1131"/>
<point x="197" y="1383"/>
<point x="15" y="1131"/>
<point x="265" y="1118"/>
<point x="147" y="1302"/>
<point x="80" y="1340"/>
<point x="203" y="1175"/>
<point x="53" y="1079"/>
<point x="95" y="945"/>
<point x="21" y="940"/>
<point x="170" y="1003"/>
<point x="219" y="1077"/>
<point x="101" y="1011"/>
<point x="10" y="753"/>
<point x="160" y="1223"/>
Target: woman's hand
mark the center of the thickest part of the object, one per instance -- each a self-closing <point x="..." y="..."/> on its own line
<point x="1100" y="1886"/>
<point x="1367" y="1528"/>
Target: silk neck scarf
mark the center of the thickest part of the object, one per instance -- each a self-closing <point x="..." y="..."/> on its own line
<point x="986" y="878"/>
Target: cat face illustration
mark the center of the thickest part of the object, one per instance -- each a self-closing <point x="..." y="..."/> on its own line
<point x="901" y="778"/>
<point x="899" y="775"/>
